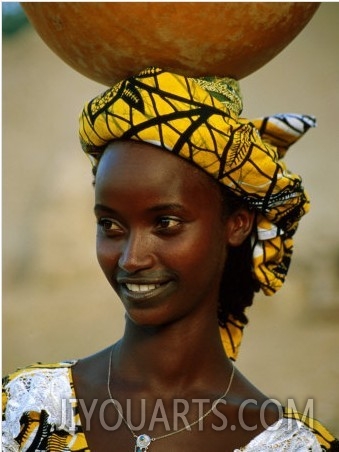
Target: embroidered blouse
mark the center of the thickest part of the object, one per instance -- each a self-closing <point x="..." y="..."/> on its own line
<point x="40" y="413"/>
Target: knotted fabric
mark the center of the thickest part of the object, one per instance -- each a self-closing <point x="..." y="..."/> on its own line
<point x="198" y="120"/>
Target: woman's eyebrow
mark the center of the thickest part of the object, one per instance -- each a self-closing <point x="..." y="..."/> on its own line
<point x="101" y="207"/>
<point x="174" y="208"/>
<point x="166" y="206"/>
<point x="155" y="208"/>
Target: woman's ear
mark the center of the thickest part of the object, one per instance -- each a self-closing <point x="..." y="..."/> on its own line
<point x="238" y="226"/>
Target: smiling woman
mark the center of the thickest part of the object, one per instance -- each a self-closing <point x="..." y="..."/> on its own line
<point x="196" y="211"/>
<point x="148" y="231"/>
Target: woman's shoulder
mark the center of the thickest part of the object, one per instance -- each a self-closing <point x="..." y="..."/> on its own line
<point x="293" y="432"/>
<point x="39" y="367"/>
<point x="284" y="435"/>
<point x="34" y="379"/>
<point x="327" y="441"/>
<point x="31" y="386"/>
<point x="35" y="392"/>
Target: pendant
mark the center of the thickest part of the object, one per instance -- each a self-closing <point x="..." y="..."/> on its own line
<point x="142" y="443"/>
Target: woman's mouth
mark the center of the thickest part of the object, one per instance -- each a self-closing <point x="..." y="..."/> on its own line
<point x="141" y="287"/>
<point x="143" y="291"/>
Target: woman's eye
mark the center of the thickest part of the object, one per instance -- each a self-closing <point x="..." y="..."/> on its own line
<point x="165" y="223"/>
<point x="109" y="225"/>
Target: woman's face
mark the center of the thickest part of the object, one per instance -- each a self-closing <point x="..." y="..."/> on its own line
<point x="161" y="239"/>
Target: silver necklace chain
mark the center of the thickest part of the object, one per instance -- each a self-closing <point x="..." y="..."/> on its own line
<point x="143" y="441"/>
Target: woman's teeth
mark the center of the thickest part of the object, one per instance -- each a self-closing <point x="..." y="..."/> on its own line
<point x="141" y="287"/>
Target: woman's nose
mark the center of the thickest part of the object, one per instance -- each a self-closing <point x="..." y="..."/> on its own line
<point x="136" y="253"/>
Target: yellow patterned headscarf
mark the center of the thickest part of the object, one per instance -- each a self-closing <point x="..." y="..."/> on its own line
<point x="198" y="120"/>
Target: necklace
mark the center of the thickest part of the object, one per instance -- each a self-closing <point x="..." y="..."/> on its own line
<point x="143" y="441"/>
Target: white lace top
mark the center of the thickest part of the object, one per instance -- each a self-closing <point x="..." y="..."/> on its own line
<point x="44" y="389"/>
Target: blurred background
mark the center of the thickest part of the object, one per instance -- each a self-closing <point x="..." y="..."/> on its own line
<point x="57" y="304"/>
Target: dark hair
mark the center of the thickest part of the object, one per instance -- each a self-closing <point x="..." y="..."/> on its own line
<point x="94" y="173"/>
<point x="238" y="285"/>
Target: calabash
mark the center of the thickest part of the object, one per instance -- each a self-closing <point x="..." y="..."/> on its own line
<point x="109" y="41"/>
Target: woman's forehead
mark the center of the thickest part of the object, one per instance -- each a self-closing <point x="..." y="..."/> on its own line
<point x="130" y="166"/>
<point x="138" y="160"/>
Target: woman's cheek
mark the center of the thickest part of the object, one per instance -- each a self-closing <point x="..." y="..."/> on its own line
<point x="107" y="254"/>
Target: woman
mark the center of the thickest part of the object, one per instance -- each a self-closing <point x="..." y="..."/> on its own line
<point x="195" y="213"/>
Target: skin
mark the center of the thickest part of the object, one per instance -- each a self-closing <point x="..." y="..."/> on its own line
<point x="162" y="229"/>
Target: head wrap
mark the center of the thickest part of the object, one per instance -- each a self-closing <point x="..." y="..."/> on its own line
<point x="198" y="120"/>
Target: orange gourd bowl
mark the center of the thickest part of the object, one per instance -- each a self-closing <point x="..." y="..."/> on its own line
<point x="109" y="41"/>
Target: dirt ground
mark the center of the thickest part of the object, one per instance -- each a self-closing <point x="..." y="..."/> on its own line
<point x="56" y="303"/>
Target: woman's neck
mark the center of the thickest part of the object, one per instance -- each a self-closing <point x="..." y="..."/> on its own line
<point x="180" y="355"/>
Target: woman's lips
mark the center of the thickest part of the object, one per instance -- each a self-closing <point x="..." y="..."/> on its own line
<point x="142" y="291"/>
<point x="141" y="287"/>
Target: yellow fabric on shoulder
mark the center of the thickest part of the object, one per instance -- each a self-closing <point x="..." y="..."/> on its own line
<point x="34" y="414"/>
<point x="327" y="441"/>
